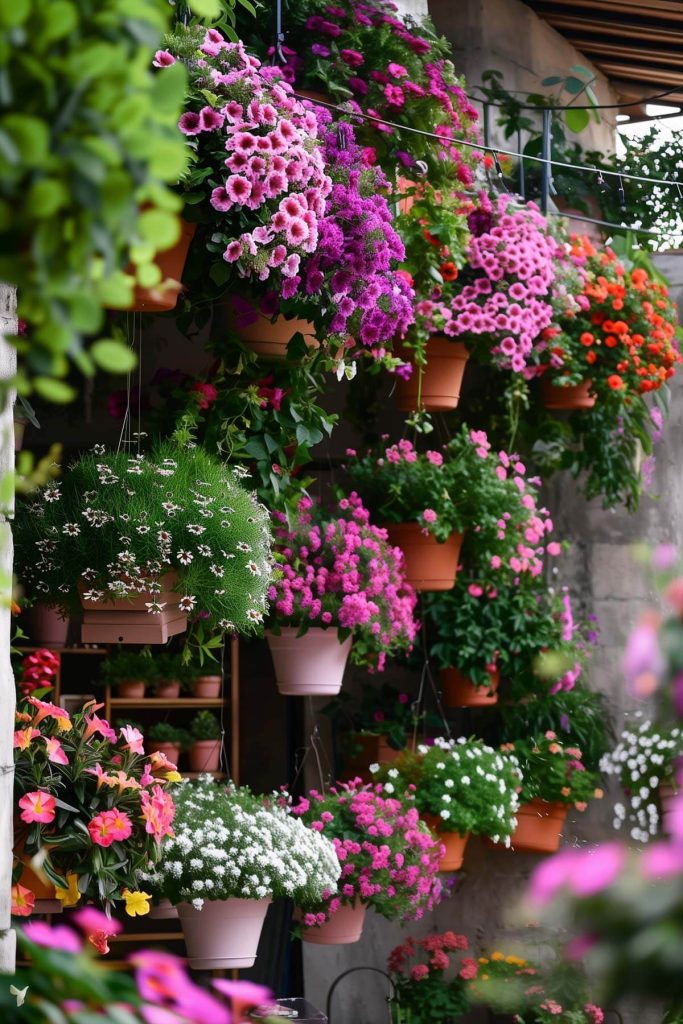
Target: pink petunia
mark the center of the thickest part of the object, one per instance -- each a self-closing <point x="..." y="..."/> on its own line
<point x="189" y="123"/>
<point x="163" y="59"/>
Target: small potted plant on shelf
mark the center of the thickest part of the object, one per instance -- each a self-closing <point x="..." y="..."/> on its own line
<point x="196" y="544"/>
<point x="130" y="672"/>
<point x="167" y="739"/>
<point x="341" y="590"/>
<point x="204" y="751"/>
<point x="554" y="779"/>
<point x="232" y="854"/>
<point x="208" y="684"/>
<point x="644" y="761"/>
<point x="461" y="787"/>
<point x="429" y="976"/>
<point x="374" y="730"/>
<point x="172" y="676"/>
<point x="390" y="860"/>
<point x="90" y="802"/>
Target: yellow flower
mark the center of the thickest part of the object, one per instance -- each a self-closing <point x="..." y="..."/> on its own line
<point x="484" y="977"/>
<point x="173" y="776"/>
<point x="497" y="956"/>
<point x="136" y="902"/>
<point x="516" y="960"/>
<point x="69" y="897"/>
<point x="483" y="960"/>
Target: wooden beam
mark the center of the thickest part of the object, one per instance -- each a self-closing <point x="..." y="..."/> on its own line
<point x="624" y="29"/>
<point x="658" y="10"/>
<point x="637" y="54"/>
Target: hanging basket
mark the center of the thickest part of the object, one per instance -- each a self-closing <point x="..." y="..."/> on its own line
<point x="539" y="827"/>
<point x="171" y="263"/>
<point x="374" y="749"/>
<point x="127" y="621"/>
<point x="309" y="665"/>
<point x="453" y="842"/>
<point x="224" y="933"/>
<point x="441" y="379"/>
<point x="429" y="565"/>
<point x="460" y="692"/>
<point x="576" y="396"/>
<point x="344" y="927"/>
<point x="270" y="339"/>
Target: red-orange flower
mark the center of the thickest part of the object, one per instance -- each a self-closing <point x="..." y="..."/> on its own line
<point x="449" y="271"/>
<point x="615" y="382"/>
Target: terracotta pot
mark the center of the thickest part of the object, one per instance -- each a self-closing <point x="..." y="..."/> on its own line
<point x="308" y="665"/>
<point x="539" y="826"/>
<point x="163" y="910"/>
<point x="171" y="263"/>
<point x="46" y="626"/>
<point x="405" y="203"/>
<point x="132" y="689"/>
<point x="344" y="927"/>
<point x="207" y="686"/>
<point x="168" y="690"/>
<point x="575" y="397"/>
<point x="667" y="798"/>
<point x="205" y="756"/>
<point x="441" y="377"/>
<point x="374" y="750"/>
<point x="460" y="692"/>
<point x="127" y="620"/>
<point x="171" y="750"/>
<point x="314" y="96"/>
<point x="270" y="340"/>
<point x="453" y="842"/>
<point x="429" y="565"/>
<point x="224" y="933"/>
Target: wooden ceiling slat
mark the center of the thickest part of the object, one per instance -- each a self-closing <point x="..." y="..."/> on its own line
<point x="638" y="54"/>
<point x="657" y="10"/>
<point x="644" y="75"/>
<point x="630" y="30"/>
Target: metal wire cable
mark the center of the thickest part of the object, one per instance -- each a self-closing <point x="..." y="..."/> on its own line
<point x="576" y="106"/>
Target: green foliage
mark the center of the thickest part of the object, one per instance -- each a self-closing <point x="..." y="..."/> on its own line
<point x="87" y="136"/>
<point x="178" y="510"/>
<point x="130" y="666"/>
<point x="172" y="668"/>
<point x="164" y="732"/>
<point x="205" y="726"/>
<point x="552" y="770"/>
<point x="383" y="710"/>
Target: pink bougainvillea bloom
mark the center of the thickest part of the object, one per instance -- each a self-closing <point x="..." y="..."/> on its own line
<point x="134" y="739"/>
<point x="429" y="515"/>
<point x="55" y="751"/>
<point x="37" y="806"/>
<point x="474" y="590"/>
<point x="554" y="548"/>
<point x="58" y="936"/>
<point x="163" y="59"/>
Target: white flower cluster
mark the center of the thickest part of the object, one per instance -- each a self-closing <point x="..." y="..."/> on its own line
<point x="474" y="786"/>
<point x="644" y="758"/>
<point x="229" y="844"/>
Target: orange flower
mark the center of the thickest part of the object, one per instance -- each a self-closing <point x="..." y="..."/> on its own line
<point x="611" y="341"/>
<point x="23" y="901"/>
<point x="449" y="271"/>
<point x="615" y="382"/>
<point x="587" y="338"/>
<point x="591" y="357"/>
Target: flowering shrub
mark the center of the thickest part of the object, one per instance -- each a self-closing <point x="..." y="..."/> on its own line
<point x="90" y="804"/>
<point x="36" y="672"/>
<point x="505" y="300"/>
<point x="393" y="69"/>
<point x="257" y="178"/>
<point x="389" y="859"/>
<point x="460" y="485"/>
<point x="645" y="756"/>
<point x="116" y="525"/>
<point x="467" y="785"/>
<point x="418" y="970"/>
<point x="552" y="771"/>
<point x="230" y="843"/>
<point x="342" y="573"/>
<point x="65" y="982"/>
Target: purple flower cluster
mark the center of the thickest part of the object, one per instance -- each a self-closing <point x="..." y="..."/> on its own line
<point x="258" y="155"/>
<point x="507" y="304"/>
<point x="358" y="249"/>
<point x="342" y="572"/>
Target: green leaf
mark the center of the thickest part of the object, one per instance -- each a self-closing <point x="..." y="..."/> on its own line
<point x="113" y="356"/>
<point x="45" y="197"/>
<point x="30" y="135"/>
<point x="552" y="80"/>
<point x="574" y="85"/>
<point x="581" y="70"/>
<point x="160" y="228"/>
<point x="58" y="19"/>
<point x="576" y="120"/>
<point x="14" y="13"/>
<point x="52" y="390"/>
<point x="210" y="9"/>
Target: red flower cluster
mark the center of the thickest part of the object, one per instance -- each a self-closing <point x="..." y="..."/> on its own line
<point x="38" y="671"/>
<point x="436" y="946"/>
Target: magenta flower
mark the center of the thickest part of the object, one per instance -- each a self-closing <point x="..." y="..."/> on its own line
<point x="163" y="59"/>
<point x="58" y="936"/>
<point x="190" y="123"/>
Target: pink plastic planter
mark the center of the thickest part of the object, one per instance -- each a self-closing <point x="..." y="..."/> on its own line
<point x="343" y="927"/>
<point x="224" y="933"/>
<point x="308" y="665"/>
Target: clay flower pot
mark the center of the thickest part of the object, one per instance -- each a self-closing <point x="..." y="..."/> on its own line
<point x="163" y="910"/>
<point x="131" y="689"/>
<point x="577" y="396"/>
<point x="270" y="340"/>
<point x="171" y="263"/>
<point x="205" y="756"/>
<point x="539" y="827"/>
<point x="168" y="690"/>
<point x="224" y="933"/>
<point x="375" y="749"/>
<point x="127" y="620"/>
<point x="454" y="843"/>
<point x="441" y="378"/>
<point x="46" y="626"/>
<point x="343" y="927"/>
<point x="308" y="665"/>
<point x="170" y="750"/>
<point x="207" y="686"/>
<point x="429" y="565"/>
<point x="460" y="692"/>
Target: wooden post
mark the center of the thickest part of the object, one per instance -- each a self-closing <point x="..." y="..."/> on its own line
<point x="8" y="362"/>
